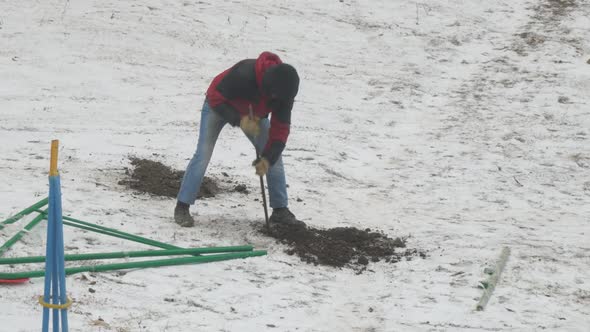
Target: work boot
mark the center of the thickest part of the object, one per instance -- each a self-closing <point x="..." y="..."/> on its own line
<point x="182" y="215"/>
<point x="284" y="217"/>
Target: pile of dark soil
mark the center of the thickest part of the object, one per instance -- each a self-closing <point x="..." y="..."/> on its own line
<point x="342" y="246"/>
<point x="153" y="177"/>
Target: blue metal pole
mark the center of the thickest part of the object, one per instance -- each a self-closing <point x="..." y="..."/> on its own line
<point x="49" y="263"/>
<point x="54" y="277"/>
<point x="60" y="254"/>
<point x="55" y="292"/>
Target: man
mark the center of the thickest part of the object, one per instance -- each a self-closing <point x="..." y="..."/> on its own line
<point x="244" y="95"/>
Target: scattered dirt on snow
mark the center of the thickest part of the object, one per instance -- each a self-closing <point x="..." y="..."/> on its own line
<point x="547" y="17"/>
<point x="153" y="177"/>
<point x="532" y="39"/>
<point x="339" y="247"/>
<point x="342" y="246"/>
<point x="555" y="9"/>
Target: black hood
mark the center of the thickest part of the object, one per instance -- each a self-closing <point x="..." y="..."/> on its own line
<point x="281" y="82"/>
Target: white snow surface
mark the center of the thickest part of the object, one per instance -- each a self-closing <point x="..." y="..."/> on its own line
<point x="464" y="125"/>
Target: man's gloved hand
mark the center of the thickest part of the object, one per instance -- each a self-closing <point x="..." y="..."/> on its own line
<point x="262" y="165"/>
<point x="250" y="125"/>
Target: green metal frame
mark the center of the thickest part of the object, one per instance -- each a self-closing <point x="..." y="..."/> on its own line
<point x="129" y="254"/>
<point x="20" y="234"/>
<point x="19" y="215"/>
<point x="198" y="255"/>
<point x="142" y="264"/>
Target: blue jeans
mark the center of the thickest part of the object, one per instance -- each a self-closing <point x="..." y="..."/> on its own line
<point x="211" y="125"/>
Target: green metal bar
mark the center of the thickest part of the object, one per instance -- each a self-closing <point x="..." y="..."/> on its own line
<point x="135" y="265"/>
<point x="126" y="237"/>
<point x="129" y="254"/>
<point x="113" y="232"/>
<point x="20" y="234"/>
<point x="33" y="208"/>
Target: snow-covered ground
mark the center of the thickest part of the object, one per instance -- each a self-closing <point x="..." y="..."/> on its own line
<point x="462" y="124"/>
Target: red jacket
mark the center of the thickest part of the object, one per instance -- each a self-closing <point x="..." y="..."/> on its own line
<point x="239" y="87"/>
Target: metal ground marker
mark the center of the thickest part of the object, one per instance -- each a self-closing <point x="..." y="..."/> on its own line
<point x="490" y="284"/>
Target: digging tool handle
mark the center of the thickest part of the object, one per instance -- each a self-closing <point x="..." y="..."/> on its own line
<point x="264" y="201"/>
<point x="261" y="178"/>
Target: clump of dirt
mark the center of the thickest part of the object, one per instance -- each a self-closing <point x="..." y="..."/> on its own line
<point x="532" y="39"/>
<point x="342" y="246"/>
<point x="148" y="176"/>
<point x="153" y="177"/>
<point x="241" y="188"/>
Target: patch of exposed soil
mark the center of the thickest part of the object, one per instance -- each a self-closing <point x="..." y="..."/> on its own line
<point x="153" y="177"/>
<point x="554" y="9"/>
<point x="546" y="18"/>
<point x="342" y="246"/>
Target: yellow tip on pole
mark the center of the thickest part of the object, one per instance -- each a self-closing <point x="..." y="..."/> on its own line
<point x="53" y="160"/>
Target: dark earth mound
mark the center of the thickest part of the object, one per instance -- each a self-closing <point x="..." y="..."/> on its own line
<point x="342" y="246"/>
<point x="153" y="177"/>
